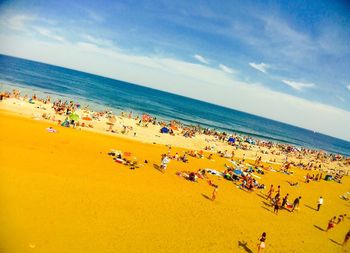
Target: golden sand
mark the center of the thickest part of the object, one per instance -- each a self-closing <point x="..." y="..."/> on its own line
<point x="61" y="192"/>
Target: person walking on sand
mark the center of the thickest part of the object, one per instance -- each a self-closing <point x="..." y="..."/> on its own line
<point x="276" y="206"/>
<point x="296" y="203"/>
<point x="261" y="244"/>
<point x="331" y="223"/>
<point x="164" y="162"/>
<point x="319" y="203"/>
<point x="347" y="237"/>
<point x="277" y="197"/>
<point x="213" y="197"/>
<point x="284" y="201"/>
<point x="269" y="193"/>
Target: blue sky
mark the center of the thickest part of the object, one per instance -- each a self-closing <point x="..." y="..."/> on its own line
<point x="286" y="60"/>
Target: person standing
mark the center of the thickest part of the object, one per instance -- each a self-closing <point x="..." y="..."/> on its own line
<point x="319" y="203"/>
<point x="261" y="245"/>
<point x="296" y="203"/>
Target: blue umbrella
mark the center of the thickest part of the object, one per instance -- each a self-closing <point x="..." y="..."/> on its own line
<point x="238" y="172"/>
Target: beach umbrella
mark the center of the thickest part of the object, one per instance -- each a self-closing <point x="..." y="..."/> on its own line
<point x="238" y="172"/>
<point x="164" y="130"/>
<point x="74" y="116"/>
<point x="231" y="140"/>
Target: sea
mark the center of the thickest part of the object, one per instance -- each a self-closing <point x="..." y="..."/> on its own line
<point x="102" y="93"/>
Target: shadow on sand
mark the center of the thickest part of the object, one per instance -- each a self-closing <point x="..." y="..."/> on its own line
<point x="311" y="207"/>
<point x="336" y="242"/>
<point x="244" y="246"/>
<point x="206" y="196"/>
<point x="264" y="207"/>
<point x="266" y="204"/>
<point x="319" y="228"/>
<point x="157" y="167"/>
<point x="261" y="195"/>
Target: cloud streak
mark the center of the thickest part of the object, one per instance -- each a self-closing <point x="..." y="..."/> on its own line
<point x="201" y="59"/>
<point x="226" y="69"/>
<point x="17" y="22"/>
<point x="299" y="85"/>
<point x="262" y="67"/>
<point x="49" y="34"/>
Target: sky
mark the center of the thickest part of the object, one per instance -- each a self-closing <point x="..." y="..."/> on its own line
<point x="284" y="60"/>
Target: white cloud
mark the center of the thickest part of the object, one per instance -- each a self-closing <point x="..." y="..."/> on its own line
<point x="97" y="40"/>
<point x="226" y="69"/>
<point x="94" y="16"/>
<point x="48" y="33"/>
<point x="348" y="87"/>
<point x="299" y="85"/>
<point x="341" y="98"/>
<point x="17" y="22"/>
<point x="259" y="66"/>
<point x="201" y="59"/>
<point x="185" y="78"/>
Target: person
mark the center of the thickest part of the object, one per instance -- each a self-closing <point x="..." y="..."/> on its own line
<point x="319" y="203"/>
<point x="296" y="203"/>
<point x="347" y="237"/>
<point x="341" y="218"/>
<point x="285" y="200"/>
<point x="331" y="223"/>
<point x="276" y="206"/>
<point x="277" y="197"/>
<point x="269" y="193"/>
<point x="213" y="197"/>
<point x="164" y="162"/>
<point x="261" y="245"/>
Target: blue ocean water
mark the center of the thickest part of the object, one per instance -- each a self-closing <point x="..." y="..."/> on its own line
<point x="101" y="92"/>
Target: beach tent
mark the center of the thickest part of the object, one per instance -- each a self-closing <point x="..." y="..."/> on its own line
<point x="164" y="130"/>
<point x="74" y="116"/>
<point x="231" y="140"/>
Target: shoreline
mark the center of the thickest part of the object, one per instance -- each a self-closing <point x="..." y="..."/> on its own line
<point x="267" y="137"/>
<point x="136" y="129"/>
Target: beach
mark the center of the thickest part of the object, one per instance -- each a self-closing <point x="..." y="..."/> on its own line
<point x="62" y="192"/>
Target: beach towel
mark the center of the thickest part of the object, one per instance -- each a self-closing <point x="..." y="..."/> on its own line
<point x="214" y="172"/>
<point x="51" y="130"/>
<point x="289" y="205"/>
<point x="117" y="160"/>
<point x="255" y="176"/>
